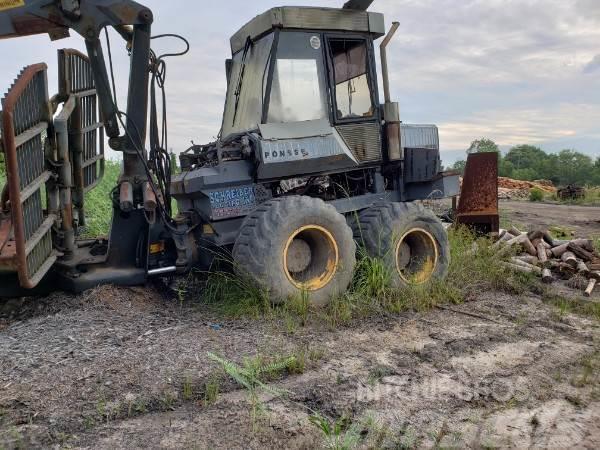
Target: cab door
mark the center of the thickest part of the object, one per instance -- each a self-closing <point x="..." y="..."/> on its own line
<point x="354" y="98"/>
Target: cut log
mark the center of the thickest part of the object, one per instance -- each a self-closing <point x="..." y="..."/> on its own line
<point x="541" y="253"/>
<point x="583" y="269"/>
<point x="518" y="262"/>
<point x="529" y="247"/>
<point x="570" y="259"/>
<point x="503" y="239"/>
<point x="533" y="260"/>
<point x="560" y="250"/>
<point x="548" y="238"/>
<point x="590" y="289"/>
<point x="515" y="231"/>
<point x="535" y="235"/>
<point x="547" y="276"/>
<point x="580" y="252"/>
<point x="560" y="242"/>
<point x="594" y="266"/>
<point x="586" y="244"/>
<point x="507" y="245"/>
<point x="517" y="268"/>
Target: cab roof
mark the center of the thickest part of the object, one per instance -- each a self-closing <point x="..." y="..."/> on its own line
<point x="309" y="18"/>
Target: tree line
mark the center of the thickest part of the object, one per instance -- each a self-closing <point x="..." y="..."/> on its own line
<point x="529" y="163"/>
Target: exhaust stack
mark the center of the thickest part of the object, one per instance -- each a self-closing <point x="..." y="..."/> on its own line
<point x="391" y="110"/>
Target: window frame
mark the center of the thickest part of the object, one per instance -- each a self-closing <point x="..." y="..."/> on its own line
<point x="371" y="78"/>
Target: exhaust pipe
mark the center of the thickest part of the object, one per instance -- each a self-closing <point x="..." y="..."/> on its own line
<point x="391" y="110"/>
<point x="384" y="62"/>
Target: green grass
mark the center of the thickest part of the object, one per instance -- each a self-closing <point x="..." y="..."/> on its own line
<point x="370" y="293"/>
<point x="98" y="204"/>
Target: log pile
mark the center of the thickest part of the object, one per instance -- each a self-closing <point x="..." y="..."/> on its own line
<point x="539" y="253"/>
<point x="519" y="190"/>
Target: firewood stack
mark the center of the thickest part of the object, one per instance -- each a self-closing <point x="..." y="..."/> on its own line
<point x="576" y="261"/>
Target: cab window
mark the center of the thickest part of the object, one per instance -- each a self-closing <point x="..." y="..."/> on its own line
<point x="244" y="104"/>
<point x="353" y="96"/>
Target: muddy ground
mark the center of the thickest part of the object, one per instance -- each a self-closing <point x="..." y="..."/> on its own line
<point x="128" y="368"/>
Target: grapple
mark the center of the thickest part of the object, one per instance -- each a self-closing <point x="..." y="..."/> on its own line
<point x="49" y="161"/>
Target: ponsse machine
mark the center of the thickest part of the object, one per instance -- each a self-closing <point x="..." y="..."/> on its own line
<point x="308" y="164"/>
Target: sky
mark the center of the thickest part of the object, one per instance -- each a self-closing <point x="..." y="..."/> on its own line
<point x="515" y="71"/>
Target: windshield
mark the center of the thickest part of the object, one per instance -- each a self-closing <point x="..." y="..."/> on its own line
<point x="246" y="91"/>
<point x="299" y="82"/>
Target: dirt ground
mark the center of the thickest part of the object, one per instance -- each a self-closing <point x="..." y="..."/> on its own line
<point x="127" y="368"/>
<point x="583" y="220"/>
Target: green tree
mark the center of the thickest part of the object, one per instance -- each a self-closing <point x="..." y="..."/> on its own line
<point x="460" y="166"/>
<point x="505" y="168"/>
<point x="575" y="167"/>
<point x="526" y="157"/>
<point x="596" y="175"/>
<point x="483" y="145"/>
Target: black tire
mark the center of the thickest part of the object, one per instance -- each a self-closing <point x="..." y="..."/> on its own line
<point x="409" y="238"/>
<point x="295" y="245"/>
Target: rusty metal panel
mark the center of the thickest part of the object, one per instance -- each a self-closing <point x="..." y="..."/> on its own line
<point x="478" y="205"/>
<point x="27" y="233"/>
<point x="86" y="132"/>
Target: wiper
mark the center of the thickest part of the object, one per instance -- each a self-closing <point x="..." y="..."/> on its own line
<point x="238" y="88"/>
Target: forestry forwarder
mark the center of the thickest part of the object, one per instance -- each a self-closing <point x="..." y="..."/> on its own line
<point x="307" y="163"/>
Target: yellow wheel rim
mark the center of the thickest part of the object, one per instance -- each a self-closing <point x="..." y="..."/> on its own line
<point x="310" y="258"/>
<point x="416" y="256"/>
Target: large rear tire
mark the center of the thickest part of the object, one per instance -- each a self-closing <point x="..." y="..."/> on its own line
<point x="296" y="245"/>
<point x="410" y="239"/>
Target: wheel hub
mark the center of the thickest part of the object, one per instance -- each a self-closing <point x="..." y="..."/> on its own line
<point x="299" y="256"/>
<point x="417" y="256"/>
<point x="311" y="258"/>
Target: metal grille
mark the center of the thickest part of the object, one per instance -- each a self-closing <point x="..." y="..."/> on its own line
<point x="33" y="216"/>
<point x="363" y="139"/>
<point x="25" y="120"/>
<point x="30" y="159"/>
<point x="86" y="133"/>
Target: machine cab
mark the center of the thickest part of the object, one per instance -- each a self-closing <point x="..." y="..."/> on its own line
<point x="299" y="72"/>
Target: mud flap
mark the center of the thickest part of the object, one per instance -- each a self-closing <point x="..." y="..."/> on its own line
<point x="26" y="232"/>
